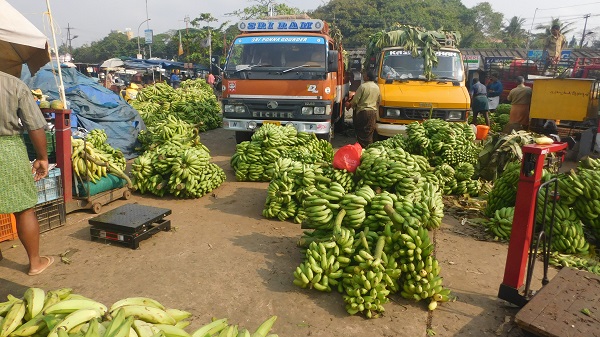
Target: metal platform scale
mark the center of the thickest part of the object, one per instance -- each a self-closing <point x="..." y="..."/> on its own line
<point x="556" y="309"/>
<point x="129" y="224"/>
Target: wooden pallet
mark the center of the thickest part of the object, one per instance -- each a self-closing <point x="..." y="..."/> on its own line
<point x="556" y="309"/>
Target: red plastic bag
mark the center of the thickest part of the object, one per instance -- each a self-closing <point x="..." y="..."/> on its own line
<point x="348" y="157"/>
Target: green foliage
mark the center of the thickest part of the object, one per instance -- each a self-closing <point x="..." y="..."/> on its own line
<point x="358" y="19"/>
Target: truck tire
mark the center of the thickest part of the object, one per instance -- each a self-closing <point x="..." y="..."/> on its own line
<point x="242" y="136"/>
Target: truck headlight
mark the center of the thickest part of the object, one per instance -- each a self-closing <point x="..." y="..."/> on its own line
<point x="455" y="115"/>
<point x="240" y="109"/>
<point x="307" y="110"/>
<point x="319" y="110"/>
<point x="392" y="113"/>
<point x="229" y="108"/>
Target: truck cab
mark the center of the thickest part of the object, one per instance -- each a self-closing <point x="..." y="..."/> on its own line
<point x="283" y="71"/>
<point x="408" y="96"/>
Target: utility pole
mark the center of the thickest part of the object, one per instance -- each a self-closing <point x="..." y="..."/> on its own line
<point x="69" y="38"/>
<point x="584" y="27"/>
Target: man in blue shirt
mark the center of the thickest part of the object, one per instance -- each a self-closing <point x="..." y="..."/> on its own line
<point x="175" y="80"/>
<point x="494" y="90"/>
<point x="479" y="101"/>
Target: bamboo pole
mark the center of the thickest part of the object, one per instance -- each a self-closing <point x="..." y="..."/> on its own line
<point x="61" y="86"/>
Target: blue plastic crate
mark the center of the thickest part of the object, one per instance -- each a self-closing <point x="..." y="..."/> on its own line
<point x="50" y="188"/>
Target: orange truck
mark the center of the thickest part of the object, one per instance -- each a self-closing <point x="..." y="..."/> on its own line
<point x="284" y="71"/>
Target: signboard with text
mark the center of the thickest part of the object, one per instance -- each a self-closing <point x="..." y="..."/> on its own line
<point x="471" y="61"/>
<point x="148" y="36"/>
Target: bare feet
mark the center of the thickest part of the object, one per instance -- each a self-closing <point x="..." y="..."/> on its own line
<point x="45" y="262"/>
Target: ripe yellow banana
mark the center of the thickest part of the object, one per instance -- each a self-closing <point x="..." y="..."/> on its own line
<point x="148" y="314"/>
<point x="72" y="305"/>
<point x="74" y="319"/>
<point x="178" y="315"/>
<point x="143" y="329"/>
<point x="13" y="318"/>
<point x="136" y="301"/>
<point x="34" y="297"/>
<point x="172" y="331"/>
<point x="213" y="327"/>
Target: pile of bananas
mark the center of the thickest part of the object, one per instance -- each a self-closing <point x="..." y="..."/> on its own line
<point x="91" y="164"/>
<point x="254" y="160"/>
<point x="582" y="263"/>
<point x="420" y="278"/>
<point x="292" y="182"/>
<point x="501" y="223"/>
<point x="99" y="140"/>
<point x="342" y="177"/>
<point x="175" y="162"/>
<point x="194" y="102"/>
<point x="442" y="142"/>
<point x="504" y="192"/>
<point x="345" y="225"/>
<point x="60" y="313"/>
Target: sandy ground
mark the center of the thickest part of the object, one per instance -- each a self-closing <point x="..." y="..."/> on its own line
<point x="223" y="259"/>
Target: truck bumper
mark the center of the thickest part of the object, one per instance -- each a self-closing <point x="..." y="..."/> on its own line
<point x="253" y="124"/>
<point x="390" y="130"/>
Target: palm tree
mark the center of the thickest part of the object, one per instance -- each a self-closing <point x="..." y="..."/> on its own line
<point x="513" y="35"/>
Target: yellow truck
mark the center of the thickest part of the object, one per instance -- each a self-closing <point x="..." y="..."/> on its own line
<point x="418" y="81"/>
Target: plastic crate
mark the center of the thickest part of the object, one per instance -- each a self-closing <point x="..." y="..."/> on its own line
<point x="51" y="214"/>
<point x="8" y="227"/>
<point x="50" y="146"/>
<point x="50" y="188"/>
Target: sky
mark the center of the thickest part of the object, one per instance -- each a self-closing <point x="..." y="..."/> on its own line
<point x="91" y="20"/>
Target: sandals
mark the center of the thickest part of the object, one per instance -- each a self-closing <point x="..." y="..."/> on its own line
<point x="37" y="272"/>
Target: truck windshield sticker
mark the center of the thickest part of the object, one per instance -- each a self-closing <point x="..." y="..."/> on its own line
<point x="280" y="39"/>
<point x="408" y="52"/>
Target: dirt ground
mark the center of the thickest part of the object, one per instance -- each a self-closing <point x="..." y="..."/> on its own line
<point x="223" y="259"/>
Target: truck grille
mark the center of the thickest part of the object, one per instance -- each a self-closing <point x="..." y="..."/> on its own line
<point x="419" y="114"/>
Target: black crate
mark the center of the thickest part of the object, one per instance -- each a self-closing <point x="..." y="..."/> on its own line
<point x="50" y="146"/>
<point x="51" y="214"/>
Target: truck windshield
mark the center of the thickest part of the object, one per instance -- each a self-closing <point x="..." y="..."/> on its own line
<point x="400" y="65"/>
<point x="263" y="53"/>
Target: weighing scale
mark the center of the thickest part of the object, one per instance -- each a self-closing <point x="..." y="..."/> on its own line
<point x="129" y="224"/>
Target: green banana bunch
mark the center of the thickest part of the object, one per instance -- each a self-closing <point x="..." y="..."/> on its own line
<point x="582" y="263"/>
<point x="464" y="171"/>
<point x="501" y="224"/>
<point x="179" y="165"/>
<point x="194" y="102"/>
<point x="504" y="192"/>
<point x="254" y="160"/>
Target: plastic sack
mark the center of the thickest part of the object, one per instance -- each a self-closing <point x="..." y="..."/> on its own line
<point x="348" y="157"/>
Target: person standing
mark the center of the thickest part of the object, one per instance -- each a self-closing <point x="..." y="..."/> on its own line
<point x="494" y="90"/>
<point x="553" y="48"/>
<point x="18" y="193"/>
<point x="175" y="80"/>
<point x="210" y="79"/>
<point x="520" y="99"/>
<point x="479" y="101"/>
<point x="365" y="105"/>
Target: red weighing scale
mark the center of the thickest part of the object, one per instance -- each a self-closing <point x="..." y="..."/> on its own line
<point x="554" y="310"/>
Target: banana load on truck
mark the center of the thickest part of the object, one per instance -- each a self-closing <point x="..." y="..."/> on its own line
<point x="421" y="76"/>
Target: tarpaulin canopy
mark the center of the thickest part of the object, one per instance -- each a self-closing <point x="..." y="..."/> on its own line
<point x="20" y="42"/>
<point x="94" y="106"/>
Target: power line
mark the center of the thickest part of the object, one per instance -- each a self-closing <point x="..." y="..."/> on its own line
<point x="546" y="9"/>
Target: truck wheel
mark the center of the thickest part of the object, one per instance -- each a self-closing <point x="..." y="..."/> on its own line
<point x="242" y="136"/>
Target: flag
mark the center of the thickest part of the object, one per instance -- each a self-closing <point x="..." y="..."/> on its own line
<point x="180" y="52"/>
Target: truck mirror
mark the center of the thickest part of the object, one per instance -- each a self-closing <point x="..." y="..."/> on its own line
<point x="332" y="61"/>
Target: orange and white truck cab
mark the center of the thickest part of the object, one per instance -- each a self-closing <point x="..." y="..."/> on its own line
<point x="283" y="71"/>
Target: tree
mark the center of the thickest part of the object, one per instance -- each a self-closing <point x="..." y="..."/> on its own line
<point x="358" y="19"/>
<point x="514" y="35"/>
<point x="115" y="44"/>
<point x="485" y="30"/>
<point x="261" y="9"/>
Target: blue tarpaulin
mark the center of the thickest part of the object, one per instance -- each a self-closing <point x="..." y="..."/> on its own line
<point x="93" y="106"/>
